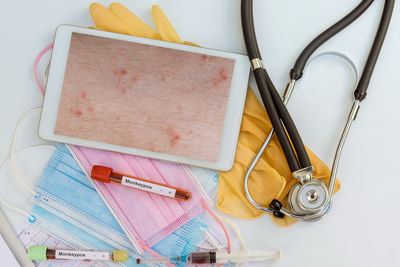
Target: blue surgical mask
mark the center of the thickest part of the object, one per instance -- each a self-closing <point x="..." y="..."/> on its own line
<point x="183" y="241"/>
<point x="68" y="208"/>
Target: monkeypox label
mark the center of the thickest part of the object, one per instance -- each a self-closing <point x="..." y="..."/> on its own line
<point x="149" y="187"/>
<point x="82" y="255"/>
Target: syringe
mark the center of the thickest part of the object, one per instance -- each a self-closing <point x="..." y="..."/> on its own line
<point x="211" y="257"/>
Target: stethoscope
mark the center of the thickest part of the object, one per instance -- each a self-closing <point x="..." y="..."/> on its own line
<point x="310" y="199"/>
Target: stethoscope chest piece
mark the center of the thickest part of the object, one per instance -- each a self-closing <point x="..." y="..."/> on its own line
<point x="309" y="198"/>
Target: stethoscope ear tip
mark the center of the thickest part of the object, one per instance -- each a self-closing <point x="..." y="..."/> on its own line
<point x="276" y="206"/>
<point x="278" y="214"/>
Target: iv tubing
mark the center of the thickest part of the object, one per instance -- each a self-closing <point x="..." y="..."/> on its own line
<point x="228" y="239"/>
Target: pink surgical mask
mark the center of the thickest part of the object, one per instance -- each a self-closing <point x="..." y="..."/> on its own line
<point x="145" y="217"/>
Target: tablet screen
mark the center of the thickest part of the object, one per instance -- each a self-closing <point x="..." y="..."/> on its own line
<point x="145" y="97"/>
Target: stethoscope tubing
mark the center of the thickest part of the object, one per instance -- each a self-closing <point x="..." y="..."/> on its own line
<point x="271" y="99"/>
<point x="276" y="107"/>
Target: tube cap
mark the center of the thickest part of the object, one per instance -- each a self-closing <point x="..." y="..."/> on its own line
<point x="101" y="173"/>
<point x="120" y="256"/>
<point x="37" y="253"/>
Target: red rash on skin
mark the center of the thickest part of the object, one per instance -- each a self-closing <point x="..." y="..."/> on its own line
<point x="84" y="95"/>
<point x="223" y="75"/>
<point x="163" y="79"/>
<point x="122" y="73"/>
<point x="78" y="112"/>
<point x="123" y="90"/>
<point x="175" y="139"/>
<point x="174" y="135"/>
<point x="217" y="82"/>
<point x="134" y="79"/>
<point x="91" y="108"/>
<point x="118" y="118"/>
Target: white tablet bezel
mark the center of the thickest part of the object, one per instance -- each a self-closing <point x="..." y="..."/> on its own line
<point x="233" y="115"/>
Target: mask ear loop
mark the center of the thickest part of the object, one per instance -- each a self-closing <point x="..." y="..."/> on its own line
<point x="235" y="228"/>
<point x="228" y="221"/>
<point x="11" y="159"/>
<point x="228" y="239"/>
<point x="35" y="66"/>
<point x="2" y="167"/>
<point x="12" y="154"/>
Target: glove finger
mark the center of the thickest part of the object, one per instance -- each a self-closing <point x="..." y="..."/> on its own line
<point x="104" y="19"/>
<point x="164" y="27"/>
<point x="135" y="24"/>
<point x="190" y="43"/>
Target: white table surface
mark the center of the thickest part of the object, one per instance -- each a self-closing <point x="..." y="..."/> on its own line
<point x="362" y="228"/>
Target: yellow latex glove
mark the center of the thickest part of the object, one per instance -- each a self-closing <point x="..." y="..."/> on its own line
<point x="119" y="19"/>
<point x="271" y="178"/>
<point x="107" y="21"/>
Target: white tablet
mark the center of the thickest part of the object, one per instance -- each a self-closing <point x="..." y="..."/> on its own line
<point x="144" y="97"/>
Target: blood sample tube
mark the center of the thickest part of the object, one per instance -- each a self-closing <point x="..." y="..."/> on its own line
<point x="106" y="175"/>
<point x="42" y="253"/>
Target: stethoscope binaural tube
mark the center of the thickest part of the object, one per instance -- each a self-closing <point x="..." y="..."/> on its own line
<point x="260" y="74"/>
<point x="297" y="71"/>
<point x="277" y="111"/>
<point x="303" y="198"/>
